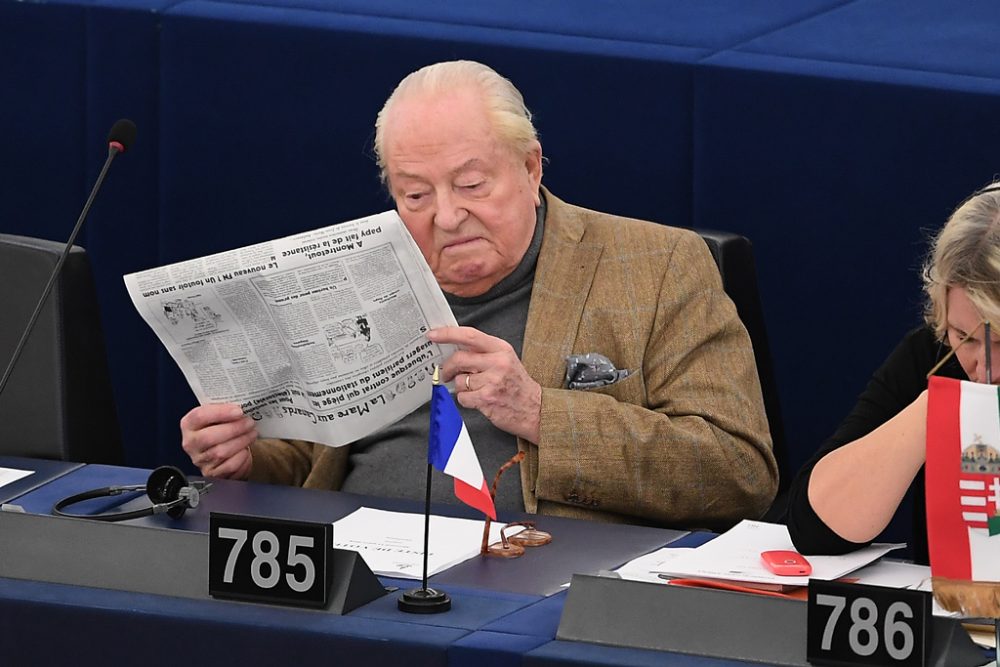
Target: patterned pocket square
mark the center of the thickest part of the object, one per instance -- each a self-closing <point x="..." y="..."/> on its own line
<point x="591" y="370"/>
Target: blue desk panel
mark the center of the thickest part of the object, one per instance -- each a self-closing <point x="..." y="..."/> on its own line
<point x="471" y="608"/>
<point x="42" y="472"/>
<point x="542" y="618"/>
<point x="492" y="649"/>
<point x="577" y="653"/>
<point x="53" y="624"/>
<point x="538" y="620"/>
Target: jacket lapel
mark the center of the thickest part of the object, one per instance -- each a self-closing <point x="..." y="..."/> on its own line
<point x="563" y="277"/>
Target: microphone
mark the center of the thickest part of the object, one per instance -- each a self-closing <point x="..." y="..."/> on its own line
<point x="120" y="139"/>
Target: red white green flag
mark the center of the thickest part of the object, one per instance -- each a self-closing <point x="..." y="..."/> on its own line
<point x="963" y="479"/>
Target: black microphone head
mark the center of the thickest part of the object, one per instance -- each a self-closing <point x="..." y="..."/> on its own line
<point x="122" y="134"/>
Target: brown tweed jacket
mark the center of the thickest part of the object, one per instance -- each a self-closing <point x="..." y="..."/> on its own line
<point x="683" y="441"/>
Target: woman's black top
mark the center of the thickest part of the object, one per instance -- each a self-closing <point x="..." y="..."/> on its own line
<point x="893" y="386"/>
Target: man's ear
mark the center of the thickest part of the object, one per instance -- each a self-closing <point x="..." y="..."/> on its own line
<point x="533" y="165"/>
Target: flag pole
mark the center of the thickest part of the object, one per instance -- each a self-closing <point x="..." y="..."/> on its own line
<point x="951" y="352"/>
<point x="988" y="343"/>
<point x="427" y="516"/>
<point x="425" y="600"/>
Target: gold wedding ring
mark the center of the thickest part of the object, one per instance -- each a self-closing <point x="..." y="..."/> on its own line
<point x="468" y="386"/>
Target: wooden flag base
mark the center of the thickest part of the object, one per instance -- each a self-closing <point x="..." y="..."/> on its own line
<point x="970" y="598"/>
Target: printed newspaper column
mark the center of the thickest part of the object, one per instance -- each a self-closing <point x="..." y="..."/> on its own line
<point x="318" y="336"/>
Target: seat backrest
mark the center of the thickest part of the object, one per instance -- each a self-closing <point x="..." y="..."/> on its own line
<point x="58" y="402"/>
<point x="734" y="256"/>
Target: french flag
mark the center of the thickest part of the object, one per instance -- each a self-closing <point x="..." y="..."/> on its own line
<point x="451" y="452"/>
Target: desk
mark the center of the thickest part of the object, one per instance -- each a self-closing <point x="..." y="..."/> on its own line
<point x="98" y="625"/>
<point x="578" y="546"/>
<point x="504" y="612"/>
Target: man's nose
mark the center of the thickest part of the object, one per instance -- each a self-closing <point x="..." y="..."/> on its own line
<point x="450" y="213"/>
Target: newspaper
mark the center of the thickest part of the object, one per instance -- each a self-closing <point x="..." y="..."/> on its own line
<point x="317" y="336"/>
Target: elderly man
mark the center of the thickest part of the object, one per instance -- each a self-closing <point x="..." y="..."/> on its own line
<point x="681" y="441"/>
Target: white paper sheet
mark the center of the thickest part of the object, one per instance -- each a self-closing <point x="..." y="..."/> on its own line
<point x="735" y="556"/>
<point x="392" y="543"/>
<point x="11" y="475"/>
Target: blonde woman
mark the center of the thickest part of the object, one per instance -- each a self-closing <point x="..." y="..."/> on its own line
<point x="848" y="493"/>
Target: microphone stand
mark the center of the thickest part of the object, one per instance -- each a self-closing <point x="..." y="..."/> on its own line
<point x="114" y="149"/>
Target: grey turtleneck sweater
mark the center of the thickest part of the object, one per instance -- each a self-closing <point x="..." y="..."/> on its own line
<point x="392" y="462"/>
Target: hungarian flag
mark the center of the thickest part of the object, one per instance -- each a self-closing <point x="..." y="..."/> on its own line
<point x="963" y="480"/>
<point x="451" y="452"/>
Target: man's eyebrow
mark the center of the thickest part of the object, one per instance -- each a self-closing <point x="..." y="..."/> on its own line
<point x="399" y="173"/>
<point x="471" y="163"/>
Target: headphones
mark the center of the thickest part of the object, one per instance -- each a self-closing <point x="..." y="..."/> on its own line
<point x="167" y="488"/>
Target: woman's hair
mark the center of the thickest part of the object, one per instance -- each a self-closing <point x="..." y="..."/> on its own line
<point x="504" y="104"/>
<point x="966" y="253"/>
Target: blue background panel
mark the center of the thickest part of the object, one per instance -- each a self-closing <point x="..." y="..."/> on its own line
<point x="42" y="70"/>
<point x="846" y="180"/>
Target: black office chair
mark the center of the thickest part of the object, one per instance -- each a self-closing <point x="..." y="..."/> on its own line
<point x="734" y="255"/>
<point x="58" y="402"/>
